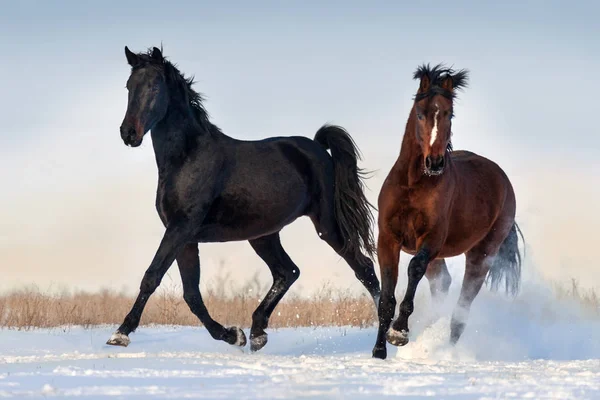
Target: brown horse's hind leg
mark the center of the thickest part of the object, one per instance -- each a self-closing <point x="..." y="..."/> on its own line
<point x="284" y="272"/>
<point x="439" y="278"/>
<point x="479" y="260"/>
<point x="189" y="269"/>
<point x="476" y="269"/>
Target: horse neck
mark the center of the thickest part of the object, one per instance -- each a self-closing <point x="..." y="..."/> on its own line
<point x="176" y="136"/>
<point x="409" y="165"/>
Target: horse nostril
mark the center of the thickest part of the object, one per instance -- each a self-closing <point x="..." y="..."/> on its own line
<point x="428" y="162"/>
<point x="442" y="162"/>
<point x="131" y="132"/>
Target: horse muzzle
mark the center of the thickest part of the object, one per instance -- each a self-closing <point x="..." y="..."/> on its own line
<point x="434" y="165"/>
<point x="130" y="136"/>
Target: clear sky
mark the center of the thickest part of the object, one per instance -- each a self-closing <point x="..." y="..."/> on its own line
<point x="77" y="206"/>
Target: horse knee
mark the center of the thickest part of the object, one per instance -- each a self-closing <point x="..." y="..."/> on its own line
<point x="191" y="298"/>
<point x="291" y="276"/>
<point x="365" y="269"/>
<point x="387" y="306"/>
<point x="445" y="281"/>
<point x="150" y="283"/>
<point x="332" y="238"/>
<point x="416" y="268"/>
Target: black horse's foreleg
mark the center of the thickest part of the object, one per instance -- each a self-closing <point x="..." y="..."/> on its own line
<point x="284" y="272"/>
<point x="172" y="242"/>
<point x="189" y="269"/>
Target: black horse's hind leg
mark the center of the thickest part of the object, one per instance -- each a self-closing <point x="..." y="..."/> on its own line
<point x="476" y="269"/>
<point x="439" y="279"/>
<point x="172" y="242"/>
<point x="284" y="272"/>
<point x="361" y="264"/>
<point x="189" y="269"/>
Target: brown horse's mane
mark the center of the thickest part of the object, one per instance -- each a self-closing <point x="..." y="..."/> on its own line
<point x="437" y="75"/>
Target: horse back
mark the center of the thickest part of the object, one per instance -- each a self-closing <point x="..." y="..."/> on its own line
<point x="475" y="172"/>
<point x="266" y="185"/>
<point x="483" y="192"/>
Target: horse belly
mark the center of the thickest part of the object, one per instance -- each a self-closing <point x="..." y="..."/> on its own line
<point x="475" y="212"/>
<point x="453" y="246"/>
<point x="245" y="216"/>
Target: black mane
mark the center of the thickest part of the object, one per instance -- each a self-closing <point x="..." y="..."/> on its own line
<point x="175" y="77"/>
<point x="437" y="75"/>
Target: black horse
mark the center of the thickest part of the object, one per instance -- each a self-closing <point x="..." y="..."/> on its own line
<point x="213" y="188"/>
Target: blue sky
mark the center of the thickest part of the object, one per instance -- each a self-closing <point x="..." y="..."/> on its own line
<point x="284" y="68"/>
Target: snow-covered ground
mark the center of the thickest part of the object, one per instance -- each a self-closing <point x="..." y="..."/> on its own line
<point x="532" y="347"/>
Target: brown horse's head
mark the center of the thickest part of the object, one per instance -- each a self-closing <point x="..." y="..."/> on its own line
<point x="148" y="95"/>
<point x="433" y="113"/>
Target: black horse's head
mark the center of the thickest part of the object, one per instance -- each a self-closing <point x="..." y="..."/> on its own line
<point x="148" y="95"/>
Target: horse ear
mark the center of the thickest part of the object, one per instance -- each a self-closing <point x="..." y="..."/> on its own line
<point x="157" y="54"/>
<point x="448" y="84"/>
<point x="132" y="58"/>
<point x="424" y="85"/>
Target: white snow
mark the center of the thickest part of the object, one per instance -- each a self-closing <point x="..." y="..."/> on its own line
<point x="531" y="347"/>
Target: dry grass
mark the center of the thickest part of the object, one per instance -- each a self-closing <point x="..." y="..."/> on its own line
<point x="586" y="297"/>
<point x="31" y="308"/>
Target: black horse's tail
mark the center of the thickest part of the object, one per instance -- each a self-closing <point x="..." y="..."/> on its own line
<point x="352" y="209"/>
<point x="507" y="264"/>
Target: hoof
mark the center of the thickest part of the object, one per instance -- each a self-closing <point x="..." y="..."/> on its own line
<point x="380" y="352"/>
<point x="119" y="339"/>
<point x="236" y="336"/>
<point x="397" y="338"/>
<point x="258" y="342"/>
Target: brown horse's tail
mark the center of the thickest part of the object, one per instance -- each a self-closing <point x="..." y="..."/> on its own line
<point x="352" y="209"/>
<point x="508" y="263"/>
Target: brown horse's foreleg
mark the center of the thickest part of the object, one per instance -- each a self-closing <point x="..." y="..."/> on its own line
<point x="398" y="334"/>
<point x="388" y="253"/>
<point x="439" y="278"/>
<point x="284" y="272"/>
<point x="175" y="237"/>
<point x="189" y="269"/>
<point x="476" y="269"/>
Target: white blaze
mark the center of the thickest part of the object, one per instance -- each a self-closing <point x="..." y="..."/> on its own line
<point x="435" y="129"/>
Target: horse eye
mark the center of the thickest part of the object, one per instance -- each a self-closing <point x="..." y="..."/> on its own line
<point x="420" y="116"/>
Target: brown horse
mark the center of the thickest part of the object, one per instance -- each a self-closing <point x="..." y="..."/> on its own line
<point x="438" y="203"/>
